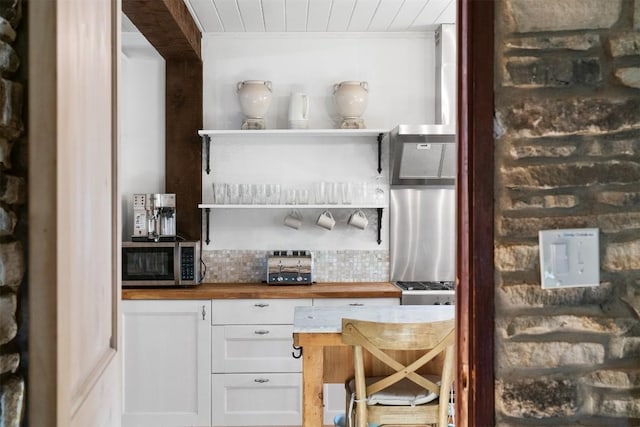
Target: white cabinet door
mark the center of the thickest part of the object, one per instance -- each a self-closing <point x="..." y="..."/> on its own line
<point x="253" y="348"/>
<point x="257" y="399"/>
<point x="167" y="354"/>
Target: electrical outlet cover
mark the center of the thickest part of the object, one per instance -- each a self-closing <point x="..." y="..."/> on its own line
<point x="569" y="258"/>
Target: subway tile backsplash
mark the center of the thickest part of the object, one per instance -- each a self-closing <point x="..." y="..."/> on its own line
<point x="238" y="266"/>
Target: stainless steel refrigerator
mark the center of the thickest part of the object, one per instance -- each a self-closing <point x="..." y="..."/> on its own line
<point x="422" y="203"/>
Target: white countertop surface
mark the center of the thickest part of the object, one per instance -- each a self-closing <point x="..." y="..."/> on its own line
<point x="329" y="319"/>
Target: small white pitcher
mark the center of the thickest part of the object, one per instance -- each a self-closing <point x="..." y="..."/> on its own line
<point x="299" y="111"/>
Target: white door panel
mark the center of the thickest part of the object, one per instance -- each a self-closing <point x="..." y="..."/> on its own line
<point x="74" y="213"/>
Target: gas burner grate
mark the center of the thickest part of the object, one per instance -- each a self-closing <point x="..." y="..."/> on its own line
<point x="426" y="286"/>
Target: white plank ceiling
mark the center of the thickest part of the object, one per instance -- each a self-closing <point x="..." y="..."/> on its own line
<point x="217" y="16"/>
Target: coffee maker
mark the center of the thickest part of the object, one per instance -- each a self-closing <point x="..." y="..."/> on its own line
<point x="154" y="217"/>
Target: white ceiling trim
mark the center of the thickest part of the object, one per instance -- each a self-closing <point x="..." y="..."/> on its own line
<point x="264" y="16"/>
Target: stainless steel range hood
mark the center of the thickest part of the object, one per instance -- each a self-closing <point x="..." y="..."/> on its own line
<point x="425" y="154"/>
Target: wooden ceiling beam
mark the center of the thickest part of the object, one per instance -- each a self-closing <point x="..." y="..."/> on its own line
<point x="168" y="26"/>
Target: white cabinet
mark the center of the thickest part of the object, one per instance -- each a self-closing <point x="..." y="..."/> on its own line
<point x="220" y="362"/>
<point x="166" y="358"/>
<point x="334" y="394"/>
<point x="255" y="378"/>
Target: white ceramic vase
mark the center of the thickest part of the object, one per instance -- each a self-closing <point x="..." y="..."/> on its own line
<point x="351" y="98"/>
<point x="255" y="97"/>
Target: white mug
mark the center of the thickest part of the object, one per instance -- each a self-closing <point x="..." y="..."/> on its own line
<point x="299" y="111"/>
<point x="326" y="220"/>
<point x="293" y="219"/>
<point x="358" y="219"/>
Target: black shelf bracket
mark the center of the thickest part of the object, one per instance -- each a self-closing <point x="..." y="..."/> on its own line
<point x="207" y="212"/>
<point x="379" y="225"/>
<point x="380" y="135"/>
<point x="207" y="146"/>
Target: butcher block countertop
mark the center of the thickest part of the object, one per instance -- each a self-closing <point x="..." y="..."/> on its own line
<point x="262" y="290"/>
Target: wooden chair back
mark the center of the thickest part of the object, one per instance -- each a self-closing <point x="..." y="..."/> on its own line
<point x="434" y="338"/>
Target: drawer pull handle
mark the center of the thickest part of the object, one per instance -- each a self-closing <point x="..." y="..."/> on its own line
<point x="356" y="304"/>
<point x="261" y="305"/>
<point x="261" y="332"/>
<point x="261" y="380"/>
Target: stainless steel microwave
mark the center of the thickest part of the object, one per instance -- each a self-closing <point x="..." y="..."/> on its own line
<point x="160" y="263"/>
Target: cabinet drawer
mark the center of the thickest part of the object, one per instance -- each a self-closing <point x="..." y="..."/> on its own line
<point x="333" y="302"/>
<point x="256" y="399"/>
<point x="253" y="348"/>
<point x="255" y="311"/>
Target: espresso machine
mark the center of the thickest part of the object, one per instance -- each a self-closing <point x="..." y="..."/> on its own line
<point x="154" y="217"/>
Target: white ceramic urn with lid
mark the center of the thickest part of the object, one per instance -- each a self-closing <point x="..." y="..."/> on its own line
<point x="351" y="100"/>
<point x="255" y="98"/>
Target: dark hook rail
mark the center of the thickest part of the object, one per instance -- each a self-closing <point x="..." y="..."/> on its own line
<point x="299" y="350"/>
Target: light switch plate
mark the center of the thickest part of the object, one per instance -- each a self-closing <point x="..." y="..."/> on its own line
<point x="569" y="257"/>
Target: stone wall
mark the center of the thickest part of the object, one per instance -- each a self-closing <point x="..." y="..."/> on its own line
<point x="567" y="155"/>
<point x="13" y="217"/>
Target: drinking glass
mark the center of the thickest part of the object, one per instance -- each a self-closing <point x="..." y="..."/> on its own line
<point x="290" y="196"/>
<point x="273" y="194"/>
<point x="246" y="197"/>
<point x="359" y="192"/>
<point x="219" y="193"/>
<point x="320" y="192"/>
<point x="302" y="196"/>
<point x="233" y="194"/>
<point x="333" y="196"/>
<point x="344" y="193"/>
<point x="259" y="193"/>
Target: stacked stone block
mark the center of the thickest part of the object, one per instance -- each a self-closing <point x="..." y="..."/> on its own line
<point x="13" y="218"/>
<point x="567" y="152"/>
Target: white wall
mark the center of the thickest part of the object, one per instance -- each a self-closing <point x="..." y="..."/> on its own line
<point x="293" y="162"/>
<point x="399" y="67"/>
<point x="400" y="71"/>
<point x="142" y="118"/>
